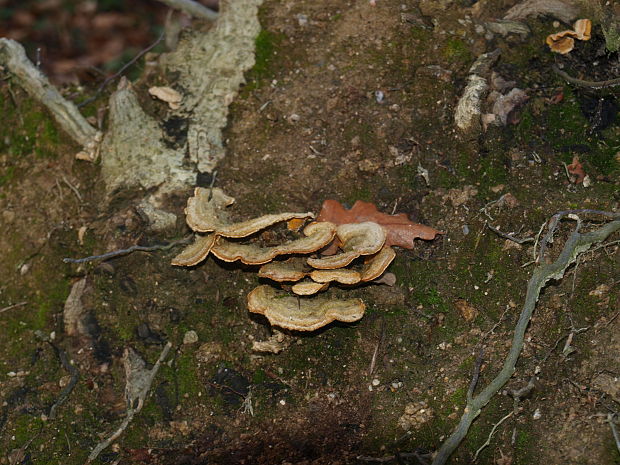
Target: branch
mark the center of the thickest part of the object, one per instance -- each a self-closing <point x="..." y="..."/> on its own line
<point x="582" y="83"/>
<point x="192" y="8"/>
<point x="576" y="244"/>
<point x="14" y="59"/>
<point x="139" y="381"/>
<point x="120" y="71"/>
<point x="133" y="248"/>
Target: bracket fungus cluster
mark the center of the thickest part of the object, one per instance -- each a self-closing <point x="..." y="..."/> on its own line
<point x="362" y="253"/>
<point x="563" y="42"/>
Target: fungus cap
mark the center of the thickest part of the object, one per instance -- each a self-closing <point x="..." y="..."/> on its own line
<point x="196" y="252"/>
<point x="583" y="29"/>
<point x="357" y="239"/>
<point x="317" y="236"/>
<point x="562" y="42"/>
<point x="302" y="314"/>
<point x="342" y="276"/>
<point x="292" y="269"/>
<point x="205" y="213"/>
<point x="377" y="264"/>
<point x="308" y="287"/>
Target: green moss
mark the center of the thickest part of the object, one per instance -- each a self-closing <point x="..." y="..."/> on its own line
<point x="456" y="50"/>
<point x="524" y="444"/>
<point x="6" y="175"/>
<point x="361" y="193"/>
<point x="567" y="132"/>
<point x="266" y="44"/>
<point x="186" y="374"/>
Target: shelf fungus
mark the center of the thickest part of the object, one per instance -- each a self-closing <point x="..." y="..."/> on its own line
<point x="563" y="42"/>
<point x="205" y="212"/>
<point x="293" y="269"/>
<point x="301" y="314"/>
<point x="357" y="239"/>
<point x="196" y="252"/>
<point x="361" y="239"/>
<point x="309" y="287"/>
<point x="318" y="235"/>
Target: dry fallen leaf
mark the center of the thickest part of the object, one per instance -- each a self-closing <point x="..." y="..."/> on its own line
<point x="467" y="310"/>
<point x="401" y="231"/>
<point x="576" y="168"/>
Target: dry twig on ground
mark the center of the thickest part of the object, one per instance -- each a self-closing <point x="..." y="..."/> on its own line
<point x="133" y="248"/>
<point x="138" y="384"/>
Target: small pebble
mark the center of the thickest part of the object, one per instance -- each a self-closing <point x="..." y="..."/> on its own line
<point x="190" y="337"/>
<point x="302" y="20"/>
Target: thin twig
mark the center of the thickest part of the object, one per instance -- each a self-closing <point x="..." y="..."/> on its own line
<point x="75" y="376"/>
<point x="67" y="365"/>
<point x="509" y="236"/>
<point x="131" y="409"/>
<point x="476" y="374"/>
<point x="375" y="353"/>
<point x="576" y="244"/>
<point x="522" y="393"/>
<point x="120" y="72"/>
<point x="10" y="307"/>
<point x="583" y="83"/>
<point x="73" y="188"/>
<point x="133" y="248"/>
<point x="488" y="441"/>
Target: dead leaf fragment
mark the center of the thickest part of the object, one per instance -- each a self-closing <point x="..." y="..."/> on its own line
<point x="466" y="310"/>
<point x="168" y="95"/>
<point x="576" y="168"/>
<point x="276" y="343"/>
<point x="600" y="291"/>
<point x="81" y="233"/>
<point x="401" y="231"/>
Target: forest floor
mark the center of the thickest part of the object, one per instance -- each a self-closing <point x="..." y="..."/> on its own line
<point x="347" y="101"/>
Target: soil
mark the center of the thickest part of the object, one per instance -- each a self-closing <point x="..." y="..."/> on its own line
<point x="348" y="101"/>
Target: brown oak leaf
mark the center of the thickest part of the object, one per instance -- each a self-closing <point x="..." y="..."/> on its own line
<point x="401" y="231"/>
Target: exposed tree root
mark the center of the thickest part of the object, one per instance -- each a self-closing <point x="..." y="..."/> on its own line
<point x="576" y="244"/>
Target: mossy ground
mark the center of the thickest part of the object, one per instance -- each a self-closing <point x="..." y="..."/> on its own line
<point x="342" y="146"/>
